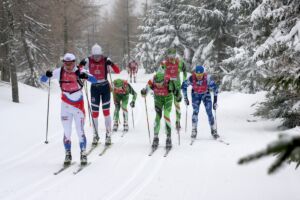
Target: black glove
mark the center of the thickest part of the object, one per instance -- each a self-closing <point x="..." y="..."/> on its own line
<point x="144" y="92"/>
<point x="83" y="76"/>
<point x="83" y="62"/>
<point x="49" y="73"/>
<point x="108" y="62"/>
<point x="132" y="103"/>
<point x="215" y="104"/>
<point x="186" y="100"/>
<point x="179" y="98"/>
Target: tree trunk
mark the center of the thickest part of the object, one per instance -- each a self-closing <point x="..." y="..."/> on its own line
<point x="65" y="28"/>
<point x="11" y="57"/>
<point x="4" y="68"/>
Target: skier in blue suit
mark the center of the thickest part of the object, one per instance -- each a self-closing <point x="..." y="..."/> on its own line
<point x="202" y="84"/>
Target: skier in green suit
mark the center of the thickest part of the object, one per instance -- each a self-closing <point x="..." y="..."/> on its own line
<point x="121" y="92"/>
<point x="163" y="96"/>
<point x="173" y="66"/>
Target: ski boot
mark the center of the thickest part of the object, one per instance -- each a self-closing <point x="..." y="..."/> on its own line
<point x="155" y="142"/>
<point x="194" y="133"/>
<point x="68" y="158"/>
<point x="125" y="127"/>
<point x="95" y="140"/>
<point x="214" y="133"/>
<point x="107" y="140"/>
<point x="168" y="142"/>
<point x="115" y="126"/>
<point x="83" y="157"/>
<point x="178" y="127"/>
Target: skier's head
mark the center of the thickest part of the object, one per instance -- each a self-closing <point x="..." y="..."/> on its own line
<point x="118" y="83"/>
<point x="171" y="52"/>
<point x="69" y="61"/>
<point x="199" y="72"/>
<point x="160" y="75"/>
<point x="96" y="52"/>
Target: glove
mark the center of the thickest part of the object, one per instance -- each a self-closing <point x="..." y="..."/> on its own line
<point x="186" y="100"/>
<point x="108" y="62"/>
<point x="179" y="98"/>
<point x="144" y="92"/>
<point x="132" y="104"/>
<point x="83" y="76"/>
<point x="215" y="104"/>
<point x="49" y="73"/>
<point x="82" y="63"/>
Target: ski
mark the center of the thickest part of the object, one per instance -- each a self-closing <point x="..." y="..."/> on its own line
<point x="152" y="151"/>
<point x="123" y="133"/>
<point x="222" y="141"/>
<point x="80" y="168"/>
<point x="63" y="168"/>
<point x="167" y="152"/>
<point x="192" y="141"/>
<point x="93" y="147"/>
<point x="106" y="147"/>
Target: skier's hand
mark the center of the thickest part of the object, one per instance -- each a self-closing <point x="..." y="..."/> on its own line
<point x="186" y="100"/>
<point x="49" y="73"/>
<point x="215" y="106"/>
<point x="82" y="63"/>
<point x="144" y="92"/>
<point x="132" y="104"/>
<point x="108" y="62"/>
<point x="178" y="98"/>
<point x="83" y="76"/>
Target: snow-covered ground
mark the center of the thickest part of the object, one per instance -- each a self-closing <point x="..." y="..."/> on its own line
<point x="207" y="170"/>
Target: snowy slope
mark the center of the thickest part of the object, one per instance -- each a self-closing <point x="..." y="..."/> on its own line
<point x="207" y="170"/>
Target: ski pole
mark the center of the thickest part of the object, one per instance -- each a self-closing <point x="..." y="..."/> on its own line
<point x="132" y="117"/>
<point x="186" y="114"/>
<point x="147" y="120"/>
<point x="46" y="141"/>
<point x="88" y="102"/>
<point x="90" y="112"/>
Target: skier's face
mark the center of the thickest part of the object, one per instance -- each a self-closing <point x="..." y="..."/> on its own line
<point x="69" y="65"/>
<point x="199" y="76"/>
<point x="97" y="57"/>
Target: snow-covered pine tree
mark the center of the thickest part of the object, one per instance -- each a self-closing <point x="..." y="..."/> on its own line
<point x="241" y="71"/>
<point x="280" y="53"/>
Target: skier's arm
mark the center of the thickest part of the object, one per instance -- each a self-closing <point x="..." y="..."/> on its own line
<point x="84" y="74"/>
<point x="185" y="85"/>
<point x="148" y="87"/>
<point x="84" y="63"/>
<point x="113" y="66"/>
<point x="50" y="74"/>
<point x="213" y="86"/>
<point x="183" y="69"/>
<point x="132" y="92"/>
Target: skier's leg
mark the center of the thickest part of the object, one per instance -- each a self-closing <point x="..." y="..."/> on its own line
<point x="117" y="102"/>
<point x="105" y="97"/>
<point x="95" y="102"/>
<point x="125" y="111"/>
<point x="158" y="109"/>
<point x="79" y="123"/>
<point x="66" y="119"/>
<point x="196" y="100"/>
<point x="208" y="107"/>
<point x="167" y="110"/>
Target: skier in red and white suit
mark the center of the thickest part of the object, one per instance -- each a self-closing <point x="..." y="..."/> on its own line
<point x="132" y="69"/>
<point x="72" y="105"/>
<point x="99" y="66"/>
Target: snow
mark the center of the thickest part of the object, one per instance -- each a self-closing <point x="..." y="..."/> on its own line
<point x="207" y="170"/>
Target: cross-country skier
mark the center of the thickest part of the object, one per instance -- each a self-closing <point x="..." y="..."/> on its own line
<point x="121" y="92"/>
<point x="132" y="69"/>
<point x="173" y="67"/>
<point x="202" y="84"/>
<point x="163" y="97"/>
<point x="72" y="105"/>
<point x="99" y="66"/>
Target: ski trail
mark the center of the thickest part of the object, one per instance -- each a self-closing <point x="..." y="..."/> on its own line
<point x="133" y="185"/>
